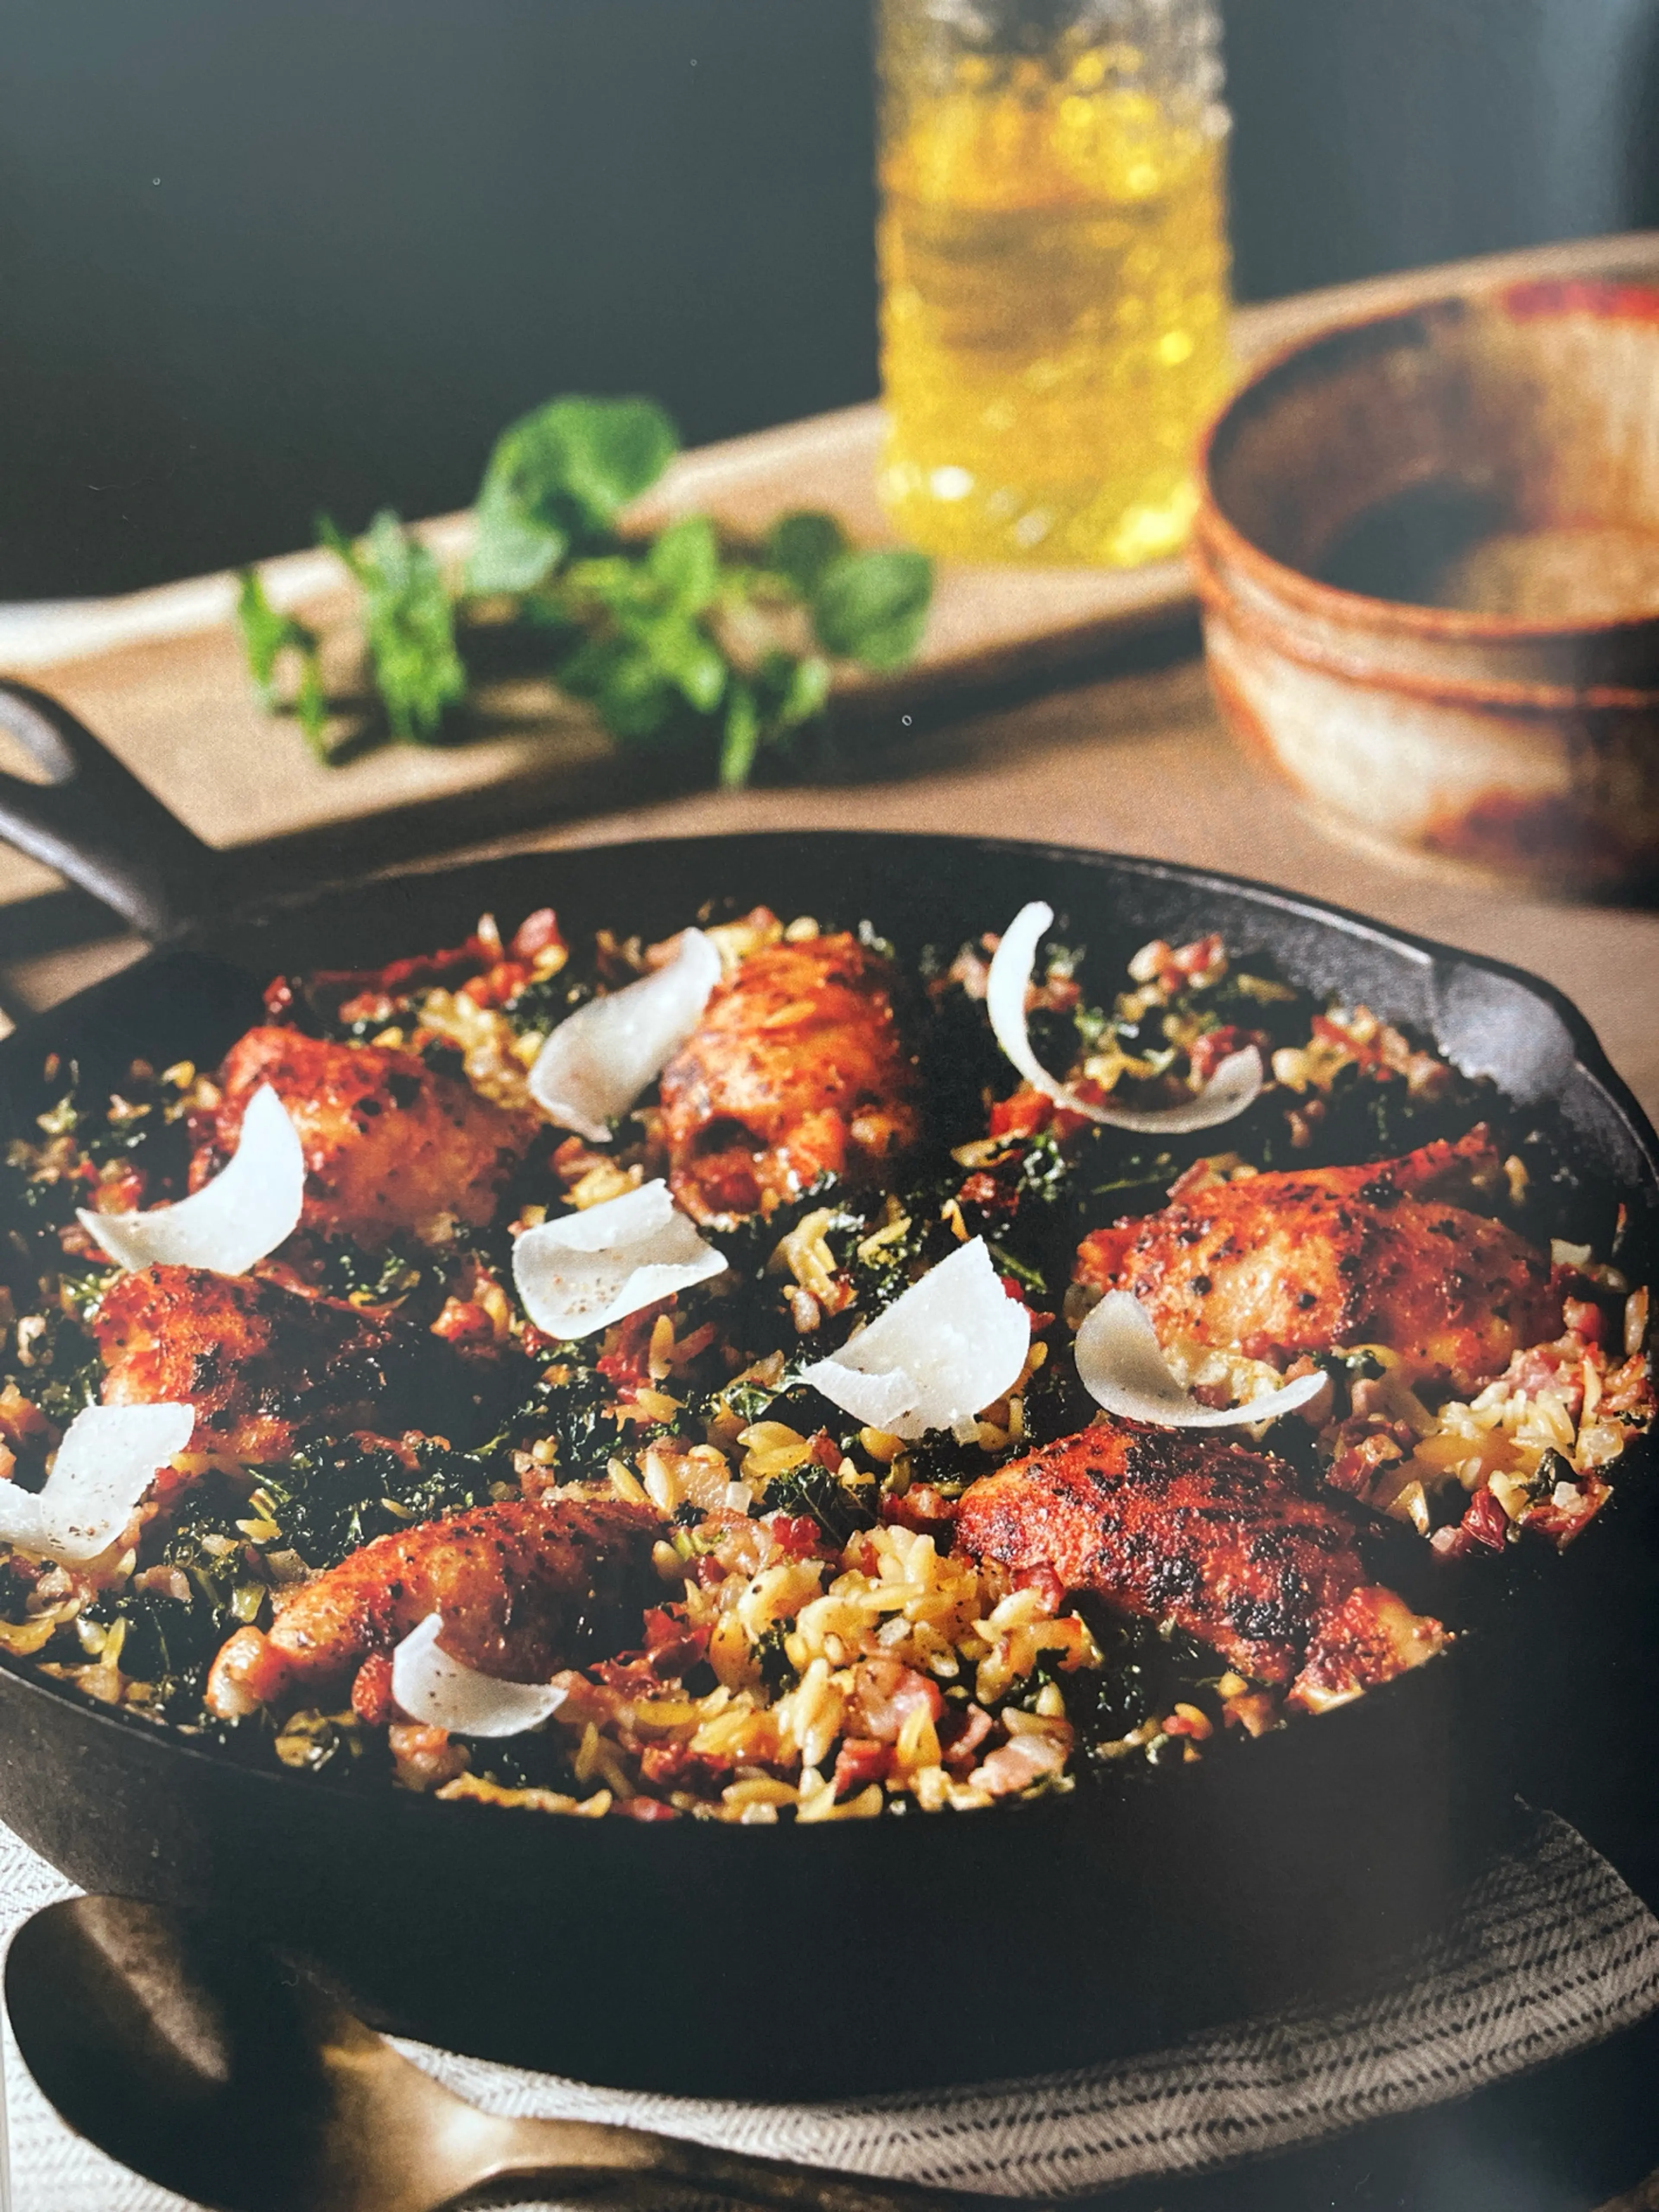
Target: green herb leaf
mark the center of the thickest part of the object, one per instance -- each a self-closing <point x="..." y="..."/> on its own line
<point x="872" y="607"/>
<point x="410" y="624"/>
<point x="797" y="687"/>
<point x="618" y="677"/>
<point x="742" y="737"/>
<point x="514" y="551"/>
<point x="266" y="636"/>
<point x="680" y="650"/>
<point x="558" y="476"/>
<point x="311" y="706"/>
<point x="802" y="545"/>
<point x="684" y="563"/>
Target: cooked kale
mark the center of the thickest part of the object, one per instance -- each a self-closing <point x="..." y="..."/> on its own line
<point x="332" y="1496"/>
<point x="813" y="1493"/>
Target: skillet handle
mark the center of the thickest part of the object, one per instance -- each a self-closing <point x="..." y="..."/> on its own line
<point x="95" y="823"/>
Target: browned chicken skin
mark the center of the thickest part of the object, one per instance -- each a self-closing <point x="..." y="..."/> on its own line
<point x="797" y="1069"/>
<point x="1173" y="1525"/>
<point x="265" y="1367"/>
<point x="1275" y="1266"/>
<point x="389" y="1144"/>
<point x="523" y="1590"/>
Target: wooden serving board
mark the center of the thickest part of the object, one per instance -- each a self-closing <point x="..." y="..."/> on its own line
<point x="159" y="673"/>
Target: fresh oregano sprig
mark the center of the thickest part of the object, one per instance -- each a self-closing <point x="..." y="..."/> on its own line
<point x="672" y="638"/>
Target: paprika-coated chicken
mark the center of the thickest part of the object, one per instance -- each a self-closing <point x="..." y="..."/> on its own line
<point x="797" y="1069"/>
<point x="524" y="1589"/>
<point x="266" y="1367"/>
<point x="1278" y="1265"/>
<point x="391" y="1144"/>
<point x="1178" y="1525"/>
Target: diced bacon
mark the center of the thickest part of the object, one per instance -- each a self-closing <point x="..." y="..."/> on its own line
<point x="1043" y="1577"/>
<point x="861" y="1762"/>
<point x="924" y="1509"/>
<point x="1216" y="1045"/>
<point x="626" y="1364"/>
<point x="960" y="1733"/>
<point x="674" y="1646"/>
<point x="886" y="1693"/>
<point x="672" y="1766"/>
<point x="645" y="1808"/>
<point x="424" y="1758"/>
<point x="1018" y="1763"/>
<point x="463" y="1322"/>
<point x="497" y="986"/>
<point x="1584" y="1320"/>
<point x="537" y="932"/>
<point x="1201" y="957"/>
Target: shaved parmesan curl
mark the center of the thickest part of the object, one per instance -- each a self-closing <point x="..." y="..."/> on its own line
<point x="106" y="1461"/>
<point x="1235" y="1085"/>
<point x="954" y="1342"/>
<point x="598" y="1061"/>
<point x="1122" y="1368"/>
<point x="580" y="1273"/>
<point x="249" y="1208"/>
<point x="438" y="1691"/>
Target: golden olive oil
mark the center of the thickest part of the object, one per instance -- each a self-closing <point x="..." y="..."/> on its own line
<point x="1054" y="268"/>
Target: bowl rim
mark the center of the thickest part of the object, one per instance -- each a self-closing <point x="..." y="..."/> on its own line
<point x="1603" y="298"/>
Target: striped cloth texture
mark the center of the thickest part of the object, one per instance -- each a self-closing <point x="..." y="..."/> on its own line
<point x="1547" y="1952"/>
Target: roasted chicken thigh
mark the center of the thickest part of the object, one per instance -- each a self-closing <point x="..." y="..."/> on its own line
<point x="1278" y="1265"/>
<point x="524" y="1589"/>
<point x="1173" y="1525"/>
<point x="266" y="1367"/>
<point x="391" y="1144"/>
<point x="796" y="1070"/>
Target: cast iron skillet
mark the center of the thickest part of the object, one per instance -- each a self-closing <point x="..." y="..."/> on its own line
<point x="877" y="1954"/>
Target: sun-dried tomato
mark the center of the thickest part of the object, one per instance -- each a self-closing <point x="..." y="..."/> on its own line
<point x="797" y="1535"/>
<point x="1023" y="1115"/>
<point x="1486" y="1519"/>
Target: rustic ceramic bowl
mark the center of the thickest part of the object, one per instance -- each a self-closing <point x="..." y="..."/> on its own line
<point x="1428" y="553"/>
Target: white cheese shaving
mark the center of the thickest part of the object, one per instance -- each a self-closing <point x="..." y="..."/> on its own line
<point x="433" y="1688"/>
<point x="248" y="1209"/>
<point x="598" y="1061"/>
<point x="1236" y="1084"/>
<point x="1122" y="1368"/>
<point x="578" y="1274"/>
<point x="954" y="1342"/>
<point x="106" y="1461"/>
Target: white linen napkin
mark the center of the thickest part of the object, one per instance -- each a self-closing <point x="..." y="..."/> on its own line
<point x="1546" y="1952"/>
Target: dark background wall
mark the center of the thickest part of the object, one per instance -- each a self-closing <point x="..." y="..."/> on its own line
<point x="256" y="259"/>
